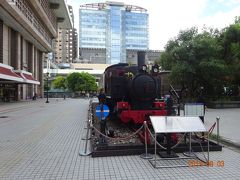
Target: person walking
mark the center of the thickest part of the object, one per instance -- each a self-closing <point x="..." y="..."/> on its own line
<point x="102" y="97"/>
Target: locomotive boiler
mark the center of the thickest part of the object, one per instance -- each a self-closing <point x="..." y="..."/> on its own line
<point x="132" y="91"/>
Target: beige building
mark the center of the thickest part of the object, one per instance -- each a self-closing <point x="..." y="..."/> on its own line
<point x="96" y="70"/>
<point x="66" y="43"/>
<point x="98" y="56"/>
<point x="27" y="30"/>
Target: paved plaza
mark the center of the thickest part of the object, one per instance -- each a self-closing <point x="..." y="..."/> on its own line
<point x="229" y="123"/>
<point x="42" y="141"/>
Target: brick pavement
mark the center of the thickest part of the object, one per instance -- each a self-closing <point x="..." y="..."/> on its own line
<point x="229" y="123"/>
<point x="42" y="141"/>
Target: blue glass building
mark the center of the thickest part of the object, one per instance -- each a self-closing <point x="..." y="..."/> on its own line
<point x="114" y="26"/>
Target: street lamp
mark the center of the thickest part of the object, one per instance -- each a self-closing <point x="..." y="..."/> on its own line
<point x="47" y="86"/>
<point x="202" y="88"/>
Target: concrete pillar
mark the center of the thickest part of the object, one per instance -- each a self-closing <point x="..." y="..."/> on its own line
<point x="18" y="64"/>
<point x="40" y="74"/>
<point x="6" y="45"/>
<point x="24" y="66"/>
<point x="30" y="56"/>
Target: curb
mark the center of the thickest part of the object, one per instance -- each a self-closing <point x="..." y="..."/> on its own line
<point x="225" y="141"/>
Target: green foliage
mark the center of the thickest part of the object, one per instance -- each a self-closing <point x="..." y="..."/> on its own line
<point x="230" y="40"/>
<point x="81" y="82"/>
<point x="60" y="83"/>
<point x="46" y="87"/>
<point x="194" y="60"/>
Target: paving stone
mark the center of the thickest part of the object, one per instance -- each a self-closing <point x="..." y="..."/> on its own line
<point x="42" y="141"/>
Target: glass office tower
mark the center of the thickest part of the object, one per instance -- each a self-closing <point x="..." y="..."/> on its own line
<point x="115" y="27"/>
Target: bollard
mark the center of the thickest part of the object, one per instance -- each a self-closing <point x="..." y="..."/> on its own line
<point x="218" y="118"/>
<point x="146" y="155"/>
<point x="86" y="152"/>
<point x="88" y="128"/>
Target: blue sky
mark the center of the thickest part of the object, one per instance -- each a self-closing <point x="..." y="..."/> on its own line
<point x="168" y="17"/>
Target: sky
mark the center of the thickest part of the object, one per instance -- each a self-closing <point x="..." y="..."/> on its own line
<point x="168" y="17"/>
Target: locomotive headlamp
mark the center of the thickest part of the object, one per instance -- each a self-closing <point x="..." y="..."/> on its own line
<point x="144" y="67"/>
<point x="155" y="69"/>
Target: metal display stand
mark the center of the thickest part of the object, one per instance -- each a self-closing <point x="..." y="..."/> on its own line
<point x="146" y="155"/>
<point x="176" y="124"/>
<point x="194" y="109"/>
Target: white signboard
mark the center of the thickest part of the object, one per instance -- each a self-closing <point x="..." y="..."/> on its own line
<point x="177" y="124"/>
<point x="194" y="109"/>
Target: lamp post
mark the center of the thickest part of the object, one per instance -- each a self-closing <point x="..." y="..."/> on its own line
<point x="202" y="88"/>
<point x="47" y="86"/>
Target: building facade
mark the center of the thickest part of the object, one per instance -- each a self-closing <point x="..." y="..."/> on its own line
<point x="27" y="31"/>
<point x="115" y="27"/>
<point x="151" y="56"/>
<point x="98" y="56"/>
<point x="66" y="43"/>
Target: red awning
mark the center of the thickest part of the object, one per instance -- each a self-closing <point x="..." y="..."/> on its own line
<point x="27" y="77"/>
<point x="7" y="74"/>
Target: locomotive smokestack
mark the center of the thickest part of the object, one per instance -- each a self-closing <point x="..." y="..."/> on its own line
<point x="141" y="59"/>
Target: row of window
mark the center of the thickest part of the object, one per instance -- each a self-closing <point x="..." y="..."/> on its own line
<point x="93" y="21"/>
<point x="91" y="44"/>
<point x="134" y="22"/>
<point x="136" y="34"/>
<point x="132" y="46"/>
<point x="92" y="31"/>
<point x="95" y="13"/>
<point x="87" y="39"/>
<point x="136" y="28"/>
<point x="135" y="15"/>
<point x="95" y="26"/>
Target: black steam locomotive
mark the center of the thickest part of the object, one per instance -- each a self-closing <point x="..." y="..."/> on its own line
<point x="132" y="91"/>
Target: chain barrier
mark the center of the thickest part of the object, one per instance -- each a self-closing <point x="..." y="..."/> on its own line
<point x="209" y="131"/>
<point x="201" y="149"/>
<point x="118" y="138"/>
<point x="163" y="146"/>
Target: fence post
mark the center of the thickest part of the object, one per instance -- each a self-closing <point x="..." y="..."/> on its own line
<point x="146" y="155"/>
<point x="218" y="118"/>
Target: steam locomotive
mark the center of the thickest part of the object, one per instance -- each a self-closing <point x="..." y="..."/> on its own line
<point x="132" y="91"/>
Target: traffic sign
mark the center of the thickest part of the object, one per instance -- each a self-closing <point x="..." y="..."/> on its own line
<point x="102" y="111"/>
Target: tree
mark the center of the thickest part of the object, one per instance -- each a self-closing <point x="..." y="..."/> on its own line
<point x="230" y="40"/>
<point x="60" y="83"/>
<point x="194" y="60"/>
<point x="81" y="82"/>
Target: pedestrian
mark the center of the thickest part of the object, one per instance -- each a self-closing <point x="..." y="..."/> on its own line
<point x="102" y="97"/>
<point x="88" y="95"/>
<point x="34" y="96"/>
<point x="201" y="100"/>
<point x="103" y="123"/>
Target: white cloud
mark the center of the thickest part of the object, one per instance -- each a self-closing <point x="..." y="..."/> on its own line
<point x="166" y="18"/>
<point x="220" y="19"/>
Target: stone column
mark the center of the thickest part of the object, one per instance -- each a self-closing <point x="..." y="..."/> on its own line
<point x="40" y="73"/>
<point x="18" y="64"/>
<point x="30" y="58"/>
